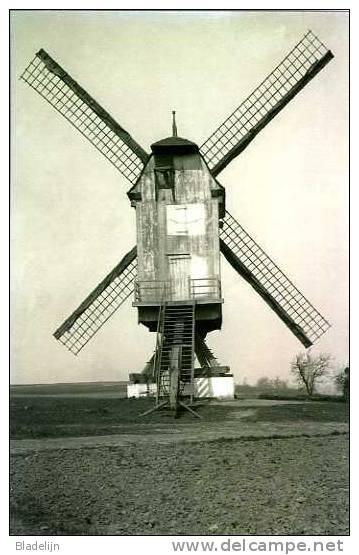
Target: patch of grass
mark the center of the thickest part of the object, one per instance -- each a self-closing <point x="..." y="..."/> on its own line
<point x="37" y="417"/>
<point x="301" y="397"/>
<point x="258" y="392"/>
<point x="70" y="388"/>
<point x="330" y="411"/>
<point x="40" y="417"/>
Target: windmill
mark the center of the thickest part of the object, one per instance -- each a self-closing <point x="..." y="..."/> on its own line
<point x="182" y="226"/>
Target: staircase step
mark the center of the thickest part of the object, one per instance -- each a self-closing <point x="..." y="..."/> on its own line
<point x="178" y="325"/>
<point x="179" y="314"/>
<point x="170" y="310"/>
<point x="166" y="351"/>
<point x="178" y="333"/>
<point x="177" y="337"/>
<point x="179" y="344"/>
<point x="168" y="348"/>
<point x="179" y="320"/>
<point x="167" y="355"/>
<point x="172" y="329"/>
<point x="177" y="330"/>
<point x="179" y="308"/>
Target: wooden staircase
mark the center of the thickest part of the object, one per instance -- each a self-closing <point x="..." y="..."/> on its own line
<point x="175" y="346"/>
<point x="174" y="357"/>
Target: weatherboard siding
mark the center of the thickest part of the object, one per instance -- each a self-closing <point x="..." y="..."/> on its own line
<point x="157" y="238"/>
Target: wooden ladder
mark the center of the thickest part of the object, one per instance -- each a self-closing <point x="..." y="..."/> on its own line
<point x="174" y="359"/>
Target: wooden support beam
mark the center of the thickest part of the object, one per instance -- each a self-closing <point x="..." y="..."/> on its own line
<point x="187" y="407"/>
<point x="156" y="407"/>
<point x="175" y="366"/>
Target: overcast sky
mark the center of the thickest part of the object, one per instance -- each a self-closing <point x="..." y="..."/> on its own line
<point x="72" y="221"/>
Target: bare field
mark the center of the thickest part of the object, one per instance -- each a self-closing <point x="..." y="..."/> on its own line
<point x="86" y="466"/>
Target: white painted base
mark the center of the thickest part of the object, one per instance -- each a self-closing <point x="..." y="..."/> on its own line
<point x="220" y="387"/>
<point x="140" y="390"/>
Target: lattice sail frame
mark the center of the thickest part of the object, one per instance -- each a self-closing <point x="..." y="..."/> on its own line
<point x="306" y="59"/>
<point x="58" y="88"/>
<point x="265" y="276"/>
<point x="100" y="305"/>
<point x="302" y="63"/>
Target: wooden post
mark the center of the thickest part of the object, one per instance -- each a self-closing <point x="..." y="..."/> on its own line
<point x="175" y="367"/>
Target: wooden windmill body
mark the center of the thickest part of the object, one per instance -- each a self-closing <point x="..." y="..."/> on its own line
<point x="178" y="207"/>
<point x="183" y="225"/>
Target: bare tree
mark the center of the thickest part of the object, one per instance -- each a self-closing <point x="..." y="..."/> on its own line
<point x="264" y="383"/>
<point x="308" y="369"/>
<point x="342" y="381"/>
<point x="278" y="383"/>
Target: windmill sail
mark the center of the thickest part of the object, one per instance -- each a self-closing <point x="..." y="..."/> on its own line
<point x="58" y="88"/>
<point x="297" y="69"/>
<point x="97" y="308"/>
<point x="255" y="266"/>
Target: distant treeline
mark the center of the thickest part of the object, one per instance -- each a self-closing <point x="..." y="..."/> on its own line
<point x="245" y="391"/>
<point x="80" y="387"/>
<point x="256" y="391"/>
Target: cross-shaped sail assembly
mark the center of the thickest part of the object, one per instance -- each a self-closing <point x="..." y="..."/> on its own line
<point x="308" y="57"/>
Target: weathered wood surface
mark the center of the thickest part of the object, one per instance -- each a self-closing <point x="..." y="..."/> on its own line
<point x="157" y="238"/>
<point x="174" y="376"/>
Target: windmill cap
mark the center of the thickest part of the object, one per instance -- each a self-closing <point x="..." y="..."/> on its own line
<point x="175" y="143"/>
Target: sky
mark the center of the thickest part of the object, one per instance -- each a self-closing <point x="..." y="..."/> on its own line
<point x="71" y="221"/>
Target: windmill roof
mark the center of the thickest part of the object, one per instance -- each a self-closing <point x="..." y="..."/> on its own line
<point x="174" y="142"/>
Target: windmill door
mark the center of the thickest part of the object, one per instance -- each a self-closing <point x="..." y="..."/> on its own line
<point x="179" y="272"/>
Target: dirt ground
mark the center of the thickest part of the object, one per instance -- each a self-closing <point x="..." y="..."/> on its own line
<point x="251" y="467"/>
